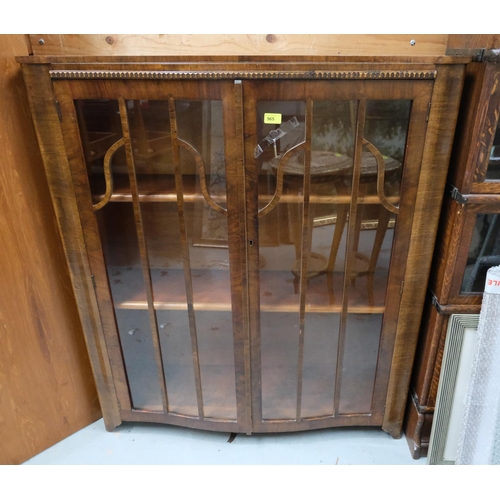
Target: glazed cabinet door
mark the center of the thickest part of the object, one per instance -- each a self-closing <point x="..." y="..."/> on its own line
<point x="159" y="187"/>
<point x="332" y="170"/>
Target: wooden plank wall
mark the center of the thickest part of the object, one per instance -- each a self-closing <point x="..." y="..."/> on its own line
<point x="270" y="44"/>
<point x="473" y="41"/>
<point x="47" y="390"/>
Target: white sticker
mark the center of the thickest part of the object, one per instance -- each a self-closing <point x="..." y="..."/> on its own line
<point x="492" y="286"/>
<point x="493" y="280"/>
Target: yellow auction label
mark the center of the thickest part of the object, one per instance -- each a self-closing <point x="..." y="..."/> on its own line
<point x="274" y="118"/>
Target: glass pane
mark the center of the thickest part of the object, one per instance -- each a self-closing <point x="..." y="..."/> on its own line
<point x="128" y="291"/>
<point x="178" y="361"/>
<point x="360" y="362"/>
<point x="138" y="353"/>
<point x="333" y="138"/>
<point x="188" y="249"/>
<point x="311" y="369"/>
<point x="279" y="239"/>
<point x="200" y="124"/>
<point x="493" y="172"/>
<point x="215" y="343"/>
<point x="320" y="355"/>
<point x="162" y="233"/>
<point x="484" y="252"/>
<point x="279" y="354"/>
<point x="100" y="127"/>
<point x="385" y="132"/>
<point x="386" y="127"/>
<point x="333" y="133"/>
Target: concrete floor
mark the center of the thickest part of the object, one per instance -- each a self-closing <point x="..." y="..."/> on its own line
<point x="151" y="444"/>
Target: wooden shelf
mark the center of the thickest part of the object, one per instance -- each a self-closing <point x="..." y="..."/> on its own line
<point x="212" y="291"/>
<point x="161" y="188"/>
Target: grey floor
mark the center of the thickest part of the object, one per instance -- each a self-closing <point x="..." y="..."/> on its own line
<point x="150" y="444"/>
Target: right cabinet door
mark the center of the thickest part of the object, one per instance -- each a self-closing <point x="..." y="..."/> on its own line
<point x="332" y="171"/>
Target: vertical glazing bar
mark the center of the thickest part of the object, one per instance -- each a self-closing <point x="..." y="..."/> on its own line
<point x="143" y="252"/>
<point x="305" y="251"/>
<point x="351" y="243"/>
<point x="244" y="400"/>
<point x="185" y="252"/>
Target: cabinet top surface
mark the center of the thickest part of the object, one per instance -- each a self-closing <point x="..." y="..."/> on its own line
<point x="241" y="61"/>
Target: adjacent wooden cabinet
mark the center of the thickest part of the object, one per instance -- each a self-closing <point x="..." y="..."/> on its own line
<point x="469" y="240"/>
<point x="249" y="239"/>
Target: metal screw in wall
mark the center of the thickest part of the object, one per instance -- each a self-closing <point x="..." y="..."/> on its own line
<point x="41" y="41"/>
<point x="413" y="42"/>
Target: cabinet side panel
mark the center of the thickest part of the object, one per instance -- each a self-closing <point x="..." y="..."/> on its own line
<point x="442" y="120"/>
<point x="451" y="226"/>
<point x="428" y="354"/>
<point x="47" y="390"/>
<point x="50" y="139"/>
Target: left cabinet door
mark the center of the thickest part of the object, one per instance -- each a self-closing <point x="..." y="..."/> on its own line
<point x="159" y="189"/>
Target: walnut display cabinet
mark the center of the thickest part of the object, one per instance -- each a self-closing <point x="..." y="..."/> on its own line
<point x="469" y="239"/>
<point x="249" y="239"/>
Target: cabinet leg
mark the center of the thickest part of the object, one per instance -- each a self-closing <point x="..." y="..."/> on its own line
<point x="417" y="429"/>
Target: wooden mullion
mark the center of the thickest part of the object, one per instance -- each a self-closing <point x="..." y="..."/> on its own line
<point x="350" y="247"/>
<point x="186" y="258"/>
<point x="143" y="253"/>
<point x="252" y="250"/>
<point x="236" y="213"/>
<point x="305" y="251"/>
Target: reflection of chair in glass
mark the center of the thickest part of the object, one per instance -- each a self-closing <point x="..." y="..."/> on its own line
<point x="148" y="141"/>
<point x="100" y="127"/>
<point x="376" y="171"/>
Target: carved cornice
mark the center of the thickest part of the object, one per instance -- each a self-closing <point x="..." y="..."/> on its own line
<point x="219" y="75"/>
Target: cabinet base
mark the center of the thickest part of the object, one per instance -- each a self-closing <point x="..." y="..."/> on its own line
<point x="417" y="429"/>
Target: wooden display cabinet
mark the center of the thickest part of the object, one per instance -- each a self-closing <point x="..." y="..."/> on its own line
<point x="469" y="240"/>
<point x="251" y="252"/>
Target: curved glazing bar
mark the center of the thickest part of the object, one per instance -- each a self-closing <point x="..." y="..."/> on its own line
<point x="203" y="183"/>
<point x="108" y="175"/>
<point x="279" y="179"/>
<point x="380" y="177"/>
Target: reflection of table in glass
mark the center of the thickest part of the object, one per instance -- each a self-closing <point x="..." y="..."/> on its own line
<point x="330" y="176"/>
